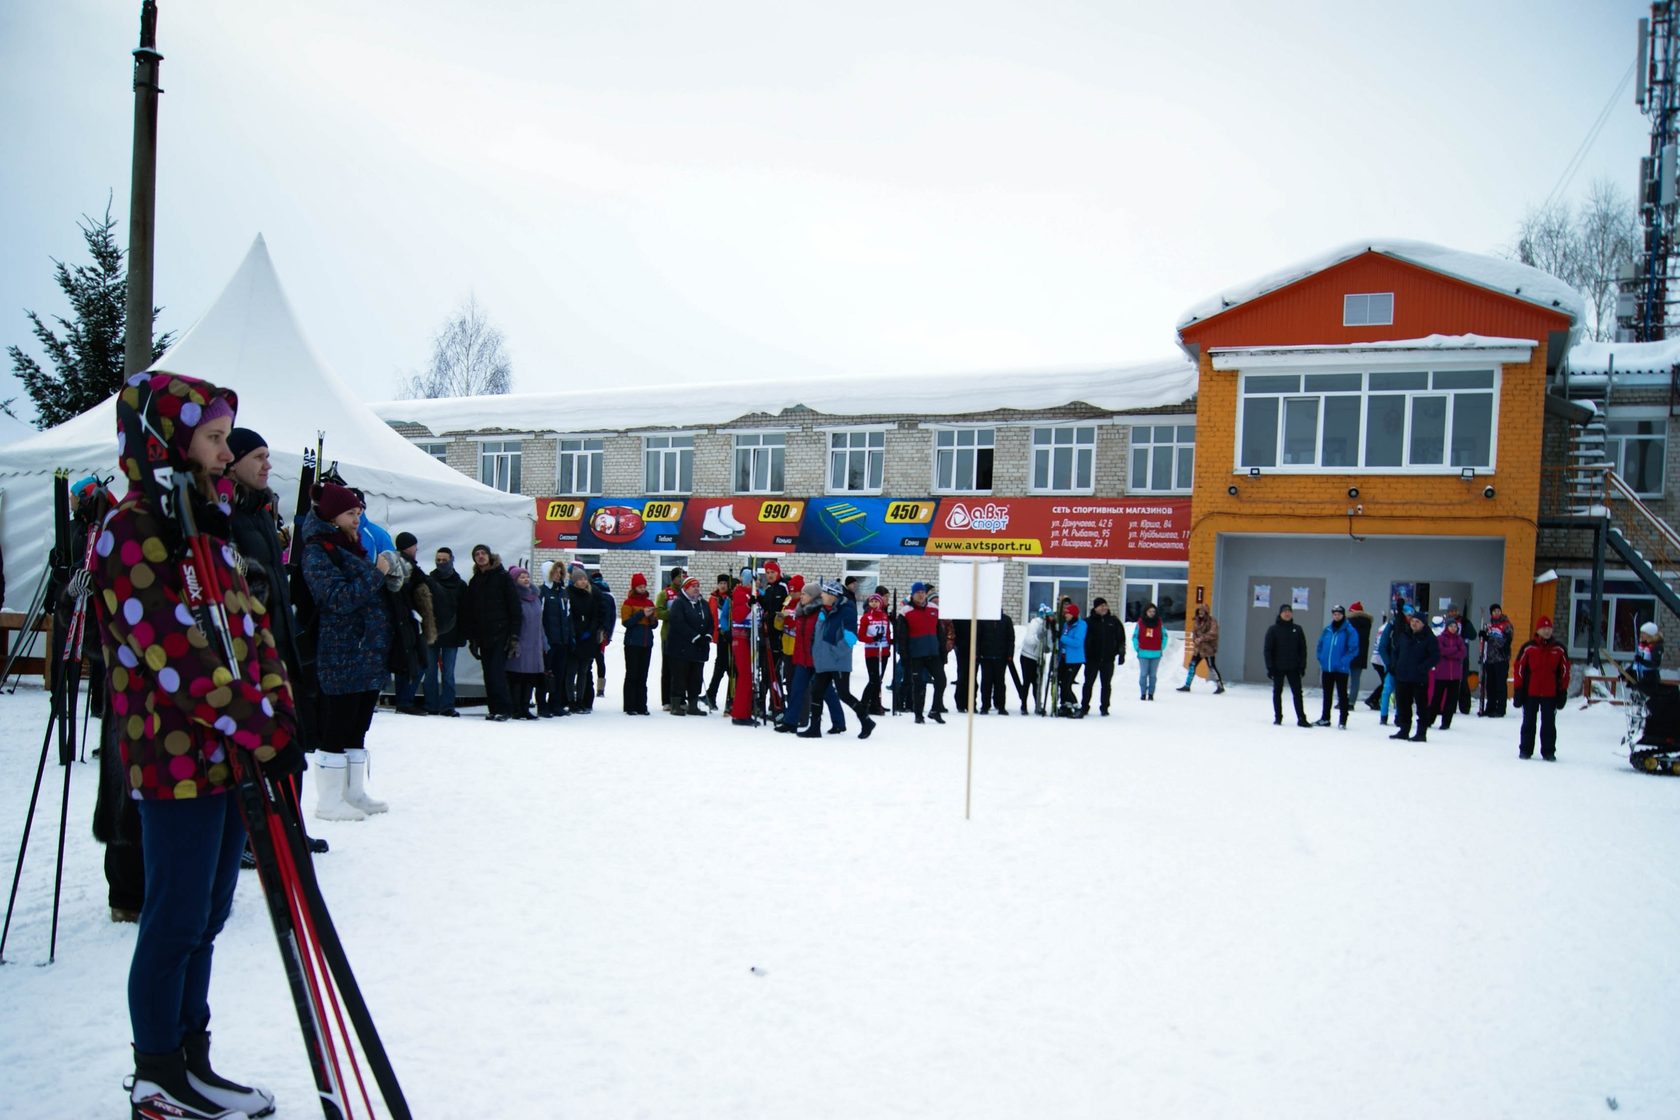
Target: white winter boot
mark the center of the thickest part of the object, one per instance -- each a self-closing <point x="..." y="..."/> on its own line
<point x="331" y="772"/>
<point x="356" y="793"/>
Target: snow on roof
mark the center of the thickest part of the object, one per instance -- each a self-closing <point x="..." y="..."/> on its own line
<point x="1630" y="358"/>
<point x="1428" y="342"/>
<point x="1511" y="277"/>
<point x="1167" y="381"/>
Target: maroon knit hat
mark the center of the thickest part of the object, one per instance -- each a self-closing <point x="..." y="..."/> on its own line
<point x="331" y="499"/>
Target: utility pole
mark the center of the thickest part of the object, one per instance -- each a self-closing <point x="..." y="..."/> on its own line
<point x="142" y="197"/>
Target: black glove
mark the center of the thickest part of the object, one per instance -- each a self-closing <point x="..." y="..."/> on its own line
<point x="513" y="647"/>
<point x="288" y="760"/>
<point x="1560" y="702"/>
<point x="472" y="648"/>
<point x="1520" y="698"/>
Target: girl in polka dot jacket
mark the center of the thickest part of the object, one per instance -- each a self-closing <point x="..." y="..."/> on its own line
<point x="179" y="708"/>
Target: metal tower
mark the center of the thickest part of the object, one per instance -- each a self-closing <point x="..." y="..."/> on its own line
<point x="1657" y="93"/>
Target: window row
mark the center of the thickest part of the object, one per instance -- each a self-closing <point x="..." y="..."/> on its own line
<point x="1063" y="460"/>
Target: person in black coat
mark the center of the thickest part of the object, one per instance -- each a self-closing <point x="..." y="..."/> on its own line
<point x="1415" y="653"/>
<point x="491" y="619"/>
<point x="438" y="682"/>
<point x="994" y="646"/>
<point x="687" y="644"/>
<point x="584" y="606"/>
<point x="1105" y="643"/>
<point x="1286" y="660"/>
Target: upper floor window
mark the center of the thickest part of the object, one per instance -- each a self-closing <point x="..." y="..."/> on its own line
<point x="670" y="464"/>
<point x="436" y="448"/>
<point x="1163" y="457"/>
<point x="1637" y="448"/>
<point x="498" y="464"/>
<point x="1411" y="420"/>
<point x="1368" y="309"/>
<point x="1064" y="459"/>
<point x="856" y="461"/>
<point x="580" y="465"/>
<point x="759" y="462"/>
<point x="962" y="460"/>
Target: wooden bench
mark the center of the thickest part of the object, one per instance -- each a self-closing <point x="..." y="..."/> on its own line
<point x="1610" y="679"/>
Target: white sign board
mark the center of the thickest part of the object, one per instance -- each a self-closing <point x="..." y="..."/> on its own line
<point x="957" y="585"/>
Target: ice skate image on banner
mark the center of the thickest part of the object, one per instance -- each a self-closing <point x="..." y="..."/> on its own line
<point x="720" y="524"/>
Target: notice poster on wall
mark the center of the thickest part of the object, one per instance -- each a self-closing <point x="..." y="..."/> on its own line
<point x="750" y="525"/>
<point x="1299" y="598"/>
<point x="1139" y="530"/>
<point x="1262" y="594"/>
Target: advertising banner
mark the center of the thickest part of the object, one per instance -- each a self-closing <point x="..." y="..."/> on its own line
<point x="644" y="523"/>
<point x="558" y="520"/>
<point x="741" y="524"/>
<point x="880" y="526"/>
<point x="1136" y="530"/>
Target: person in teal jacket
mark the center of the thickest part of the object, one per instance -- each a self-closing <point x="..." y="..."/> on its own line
<point x="1338" y="647"/>
<point x="1149" y="638"/>
<point x="1073" y="657"/>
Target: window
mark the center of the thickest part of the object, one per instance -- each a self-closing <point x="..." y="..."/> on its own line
<point x="1369" y="309"/>
<point x="590" y="560"/>
<point x="1628" y="605"/>
<point x="498" y="464"/>
<point x="868" y="573"/>
<point x="1636" y="447"/>
<point x="436" y="448"/>
<point x="580" y="465"/>
<point x="1048" y="583"/>
<point x="668" y="563"/>
<point x="670" y="464"/>
<point x="1405" y="420"/>
<point x="962" y="460"/>
<point x="1063" y="458"/>
<point x="1166" y="587"/>
<point x="758" y="462"/>
<point x="1163" y="457"/>
<point x="856" y="461"/>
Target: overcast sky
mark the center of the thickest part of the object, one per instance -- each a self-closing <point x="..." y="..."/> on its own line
<point x="643" y="193"/>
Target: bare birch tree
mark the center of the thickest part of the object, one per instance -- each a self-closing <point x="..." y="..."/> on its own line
<point x="1584" y="248"/>
<point x="469" y="359"/>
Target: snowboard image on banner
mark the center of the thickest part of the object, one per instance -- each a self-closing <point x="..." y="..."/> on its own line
<point x="649" y="523"/>
<point x="740" y="524"/>
<point x="878" y="526"/>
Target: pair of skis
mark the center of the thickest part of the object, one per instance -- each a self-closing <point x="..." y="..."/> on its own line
<point x="323" y="986"/>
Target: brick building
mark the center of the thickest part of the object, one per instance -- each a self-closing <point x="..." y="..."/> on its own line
<point x="1080" y="480"/>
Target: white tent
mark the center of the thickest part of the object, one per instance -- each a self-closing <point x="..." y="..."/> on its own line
<point x="249" y="341"/>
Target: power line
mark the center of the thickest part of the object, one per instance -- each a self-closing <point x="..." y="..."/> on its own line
<point x="1580" y="156"/>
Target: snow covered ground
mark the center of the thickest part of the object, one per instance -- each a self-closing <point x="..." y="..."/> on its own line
<point x="1179" y="911"/>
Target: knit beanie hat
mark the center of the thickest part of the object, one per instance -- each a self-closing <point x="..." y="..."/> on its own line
<point x="1071" y="610"/>
<point x="832" y="587"/>
<point x="331" y="499"/>
<point x="796" y="583"/>
<point x="773" y="569"/>
<point x="918" y="586"/>
<point x="405" y="539"/>
<point x="638" y="580"/>
<point x="876" y="601"/>
<point x="243" y="441"/>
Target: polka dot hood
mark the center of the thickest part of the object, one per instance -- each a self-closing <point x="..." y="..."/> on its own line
<point x="177" y="704"/>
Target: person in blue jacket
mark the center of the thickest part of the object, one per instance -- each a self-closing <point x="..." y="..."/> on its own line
<point x="1072" y="650"/>
<point x="1338" y="648"/>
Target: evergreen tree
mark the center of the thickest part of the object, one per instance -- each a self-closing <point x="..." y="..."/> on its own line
<point x="87" y="358"/>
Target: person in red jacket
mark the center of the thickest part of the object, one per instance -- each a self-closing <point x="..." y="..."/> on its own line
<point x="874" y="633"/>
<point x="740" y="651"/>
<point x="1541" y="674"/>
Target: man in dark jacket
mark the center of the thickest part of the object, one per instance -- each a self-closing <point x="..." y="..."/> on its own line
<point x="587" y="627"/>
<point x="1105" y="641"/>
<point x="994" y="646"/>
<point x="491" y="619"/>
<point x="688" y="635"/>
<point x="1286" y="660"/>
<point x="1496" y="662"/>
<point x="448" y="589"/>
<point x="607" y="610"/>
<point x="1415" y="653"/>
<point x="418" y="624"/>
<point x="1360" y="620"/>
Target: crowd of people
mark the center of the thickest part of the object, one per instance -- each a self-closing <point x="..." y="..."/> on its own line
<point x="1423" y="667"/>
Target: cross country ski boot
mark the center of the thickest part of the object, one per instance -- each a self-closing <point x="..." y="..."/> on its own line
<point x="159" y="1090"/>
<point x="252" y="1100"/>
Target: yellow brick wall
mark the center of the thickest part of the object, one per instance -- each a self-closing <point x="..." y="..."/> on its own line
<point x="1395" y="505"/>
